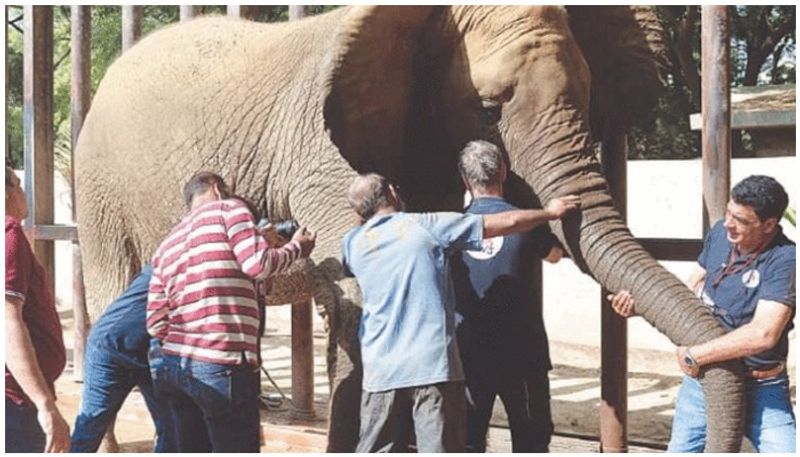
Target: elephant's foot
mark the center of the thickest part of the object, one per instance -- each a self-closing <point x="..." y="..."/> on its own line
<point x="344" y="358"/>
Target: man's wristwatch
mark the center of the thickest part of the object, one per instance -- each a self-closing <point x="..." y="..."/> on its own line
<point x="688" y="359"/>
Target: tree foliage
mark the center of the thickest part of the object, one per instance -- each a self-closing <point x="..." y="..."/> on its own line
<point x="763" y="42"/>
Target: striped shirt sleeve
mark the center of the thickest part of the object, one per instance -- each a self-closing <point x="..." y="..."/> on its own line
<point x="257" y="259"/>
<point x="157" y="305"/>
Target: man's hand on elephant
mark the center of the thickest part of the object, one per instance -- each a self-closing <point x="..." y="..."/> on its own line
<point x="686" y="361"/>
<point x="555" y="254"/>
<point x="270" y="233"/>
<point x="307" y="240"/>
<point x="560" y="206"/>
<point x="622" y="303"/>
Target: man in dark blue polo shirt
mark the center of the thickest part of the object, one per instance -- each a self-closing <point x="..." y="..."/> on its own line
<point x="746" y="275"/>
<point x="115" y="362"/>
<point x="502" y="337"/>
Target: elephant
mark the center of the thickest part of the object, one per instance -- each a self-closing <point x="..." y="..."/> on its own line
<point x="289" y="113"/>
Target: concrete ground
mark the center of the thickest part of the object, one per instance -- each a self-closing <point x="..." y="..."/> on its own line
<point x="575" y="390"/>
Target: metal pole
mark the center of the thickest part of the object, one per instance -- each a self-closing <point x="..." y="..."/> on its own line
<point x="302" y="360"/>
<point x="243" y="11"/>
<point x="131" y="25"/>
<point x="614" y="329"/>
<point x="716" y="112"/>
<point x="189" y="11"/>
<point x="81" y="54"/>
<point x="38" y="127"/>
<point x="297" y="12"/>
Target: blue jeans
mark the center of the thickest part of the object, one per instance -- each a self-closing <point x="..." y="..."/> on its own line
<point x="106" y="384"/>
<point x="214" y="406"/>
<point x="23" y="432"/>
<point x="769" y="421"/>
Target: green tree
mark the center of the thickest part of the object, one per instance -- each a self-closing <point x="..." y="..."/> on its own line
<point x="763" y="42"/>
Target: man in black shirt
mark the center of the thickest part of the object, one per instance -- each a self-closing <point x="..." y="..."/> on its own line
<point x="502" y="338"/>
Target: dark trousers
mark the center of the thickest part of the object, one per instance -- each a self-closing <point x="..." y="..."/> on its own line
<point x="526" y="398"/>
<point x="23" y="432"/>
<point x="214" y="407"/>
<point x="106" y="384"/>
<point x="436" y="414"/>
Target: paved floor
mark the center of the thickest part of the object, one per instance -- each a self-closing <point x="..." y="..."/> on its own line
<point x="575" y="390"/>
<point x="282" y="433"/>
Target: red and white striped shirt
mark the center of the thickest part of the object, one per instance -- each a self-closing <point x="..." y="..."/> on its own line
<point x="202" y="302"/>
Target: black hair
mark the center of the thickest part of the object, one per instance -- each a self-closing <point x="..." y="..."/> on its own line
<point x="200" y="183"/>
<point x="764" y="194"/>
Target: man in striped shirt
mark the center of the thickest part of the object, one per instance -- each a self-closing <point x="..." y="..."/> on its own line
<point x="202" y="307"/>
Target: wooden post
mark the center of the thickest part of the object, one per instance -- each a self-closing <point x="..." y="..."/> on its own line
<point x="131" y="25"/>
<point x="244" y="11"/>
<point x="716" y="113"/>
<point x="302" y="360"/>
<point x="38" y="127"/>
<point x="189" y="11"/>
<point x="81" y="55"/>
<point x="614" y="329"/>
<point x="297" y="12"/>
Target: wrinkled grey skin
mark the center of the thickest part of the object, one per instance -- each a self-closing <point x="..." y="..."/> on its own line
<point x="289" y="113"/>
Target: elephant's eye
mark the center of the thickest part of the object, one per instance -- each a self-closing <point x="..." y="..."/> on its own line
<point x="491" y="111"/>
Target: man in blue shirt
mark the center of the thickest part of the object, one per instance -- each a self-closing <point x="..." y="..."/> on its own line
<point x="746" y="275"/>
<point x="116" y="362"/>
<point x="412" y="369"/>
<point x="502" y="337"/>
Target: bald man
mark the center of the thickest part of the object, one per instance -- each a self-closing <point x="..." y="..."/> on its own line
<point x="412" y="370"/>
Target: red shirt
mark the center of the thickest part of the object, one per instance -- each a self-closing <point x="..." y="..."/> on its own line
<point x="202" y="302"/>
<point x="25" y="279"/>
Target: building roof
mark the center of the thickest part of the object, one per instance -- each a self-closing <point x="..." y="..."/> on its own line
<point x="758" y="107"/>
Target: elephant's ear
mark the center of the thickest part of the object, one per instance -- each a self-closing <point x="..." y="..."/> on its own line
<point x="368" y="83"/>
<point x="626" y="50"/>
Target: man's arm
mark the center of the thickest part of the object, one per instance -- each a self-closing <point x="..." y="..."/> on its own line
<point x="257" y="258"/>
<point x="522" y="220"/>
<point x="21" y="362"/>
<point x="760" y="334"/>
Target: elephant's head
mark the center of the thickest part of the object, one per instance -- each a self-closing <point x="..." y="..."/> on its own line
<point x="407" y="87"/>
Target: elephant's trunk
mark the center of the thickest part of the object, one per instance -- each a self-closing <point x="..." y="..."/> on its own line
<point x="601" y="244"/>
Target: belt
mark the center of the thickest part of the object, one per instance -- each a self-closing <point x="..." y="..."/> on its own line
<point x="768" y="373"/>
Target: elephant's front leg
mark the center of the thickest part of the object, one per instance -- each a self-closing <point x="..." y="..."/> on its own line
<point x="344" y="369"/>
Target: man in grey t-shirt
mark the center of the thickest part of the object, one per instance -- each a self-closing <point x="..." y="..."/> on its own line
<point x="411" y="364"/>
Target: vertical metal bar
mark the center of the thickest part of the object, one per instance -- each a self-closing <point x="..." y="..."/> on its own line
<point x="297" y="12"/>
<point x="131" y="25"/>
<point x="243" y="11"/>
<point x="302" y="360"/>
<point x="81" y="29"/>
<point x="614" y="329"/>
<point x="716" y="112"/>
<point x="189" y="11"/>
<point x="38" y="127"/>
